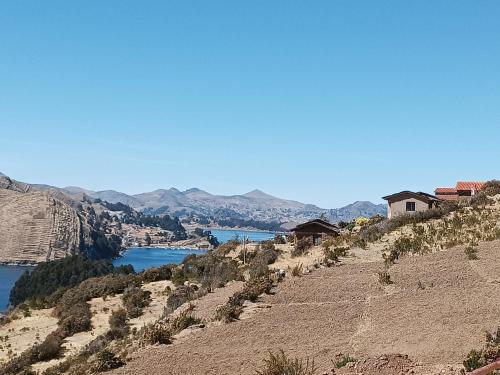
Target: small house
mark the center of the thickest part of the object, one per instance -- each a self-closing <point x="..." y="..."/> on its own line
<point x="315" y="229"/>
<point x="406" y="202"/>
<point x="462" y="189"/>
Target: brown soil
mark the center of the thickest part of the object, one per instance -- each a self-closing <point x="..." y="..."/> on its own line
<point x="345" y="309"/>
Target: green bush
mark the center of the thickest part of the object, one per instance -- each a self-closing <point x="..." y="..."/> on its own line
<point x="489" y="353"/>
<point x="48" y="277"/>
<point x="280" y="364"/>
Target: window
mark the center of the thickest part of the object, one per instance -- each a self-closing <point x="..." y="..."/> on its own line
<point x="410" y="206"/>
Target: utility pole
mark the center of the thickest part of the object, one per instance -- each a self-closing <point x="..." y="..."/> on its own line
<point x="244" y="250"/>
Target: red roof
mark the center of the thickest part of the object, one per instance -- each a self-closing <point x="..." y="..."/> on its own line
<point x="463" y="185"/>
<point x="443" y="190"/>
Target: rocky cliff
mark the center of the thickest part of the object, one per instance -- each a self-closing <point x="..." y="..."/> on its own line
<point x="40" y="225"/>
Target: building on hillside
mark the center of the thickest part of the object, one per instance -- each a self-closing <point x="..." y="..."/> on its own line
<point x="315" y="229"/>
<point x="463" y="189"/>
<point x="408" y="201"/>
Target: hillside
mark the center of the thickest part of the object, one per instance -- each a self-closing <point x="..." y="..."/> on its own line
<point x="37" y="226"/>
<point x="422" y="312"/>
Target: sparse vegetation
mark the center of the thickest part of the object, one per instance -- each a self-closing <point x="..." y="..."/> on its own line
<point x="489" y="353"/>
<point x="344" y="360"/>
<point x="471" y="252"/>
<point x="106" y="361"/>
<point x="134" y="300"/>
<point x="280" y="364"/>
<point x="183" y="321"/>
<point x="252" y="290"/>
<point x="297" y="270"/>
<point x="302" y="246"/>
<point x="157" y="333"/>
<point x="384" y="278"/>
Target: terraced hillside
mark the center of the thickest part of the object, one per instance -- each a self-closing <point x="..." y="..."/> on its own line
<point x="35" y="227"/>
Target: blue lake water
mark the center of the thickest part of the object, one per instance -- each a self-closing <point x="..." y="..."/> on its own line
<point x="146" y="257"/>
<point x="224" y="235"/>
<point x="8" y="277"/>
<point x="139" y="257"/>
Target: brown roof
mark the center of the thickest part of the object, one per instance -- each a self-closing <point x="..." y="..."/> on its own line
<point x="405" y="194"/>
<point x="321" y="223"/>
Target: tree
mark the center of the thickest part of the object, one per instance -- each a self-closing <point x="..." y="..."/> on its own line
<point x="147" y="238"/>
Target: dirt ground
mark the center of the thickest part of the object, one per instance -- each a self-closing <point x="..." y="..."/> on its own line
<point x="438" y="308"/>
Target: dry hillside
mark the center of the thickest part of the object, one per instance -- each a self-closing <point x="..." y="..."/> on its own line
<point x="35" y="227"/>
<point x="415" y="299"/>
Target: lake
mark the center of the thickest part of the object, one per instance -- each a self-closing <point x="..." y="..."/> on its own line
<point x="224" y="235"/>
<point x="8" y="277"/>
<point x="146" y="257"/>
<point x="139" y="257"/>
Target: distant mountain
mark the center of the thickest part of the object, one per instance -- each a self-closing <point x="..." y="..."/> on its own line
<point x="255" y="205"/>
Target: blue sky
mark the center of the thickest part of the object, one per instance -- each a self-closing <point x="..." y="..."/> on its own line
<point x="326" y="102"/>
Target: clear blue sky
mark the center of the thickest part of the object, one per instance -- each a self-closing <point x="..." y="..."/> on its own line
<point x="326" y="102"/>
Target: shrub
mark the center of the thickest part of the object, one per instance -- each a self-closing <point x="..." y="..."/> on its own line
<point x="252" y="290"/>
<point x="297" y="270"/>
<point x="74" y="319"/>
<point x="279" y="239"/>
<point x="344" y="360"/>
<point x="118" y="324"/>
<point x="49" y="349"/>
<point x="489" y="353"/>
<point x="134" y="300"/>
<point x="157" y="274"/>
<point x="258" y="267"/>
<point x="157" y="334"/>
<point x="228" y="313"/>
<point x="280" y="364"/>
<point x="106" y="361"/>
<point x="384" y="278"/>
<point x="471" y="253"/>
<point x="211" y="270"/>
<point x="183" y="321"/>
<point x="182" y="295"/>
<point x="302" y="246"/>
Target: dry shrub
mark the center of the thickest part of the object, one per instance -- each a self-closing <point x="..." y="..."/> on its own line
<point x="280" y="364"/>
<point x="384" y="278"/>
<point x="488" y="354"/>
<point x="157" y="334"/>
<point x="183" y="321"/>
<point x="471" y="253"/>
<point x="106" y="361"/>
<point x="118" y="323"/>
<point x="251" y="292"/>
<point x="157" y="274"/>
<point x="302" y="246"/>
<point x="297" y="270"/>
<point x="134" y="300"/>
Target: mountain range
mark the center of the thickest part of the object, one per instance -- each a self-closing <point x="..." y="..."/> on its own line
<point x="254" y="205"/>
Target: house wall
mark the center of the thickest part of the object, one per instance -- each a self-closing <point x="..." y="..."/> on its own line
<point x="399" y="207"/>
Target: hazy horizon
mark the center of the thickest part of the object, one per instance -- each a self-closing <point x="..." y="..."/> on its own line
<point x="324" y="103"/>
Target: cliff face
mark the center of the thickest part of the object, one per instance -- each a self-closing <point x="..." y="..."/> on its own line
<point x="35" y="227"/>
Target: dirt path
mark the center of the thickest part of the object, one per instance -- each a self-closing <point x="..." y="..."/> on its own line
<point x="344" y="309"/>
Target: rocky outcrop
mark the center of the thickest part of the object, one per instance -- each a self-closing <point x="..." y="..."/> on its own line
<point x="36" y="227"/>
